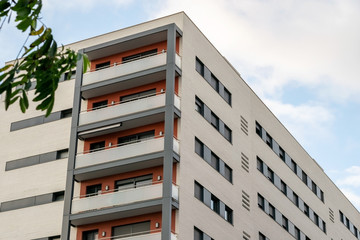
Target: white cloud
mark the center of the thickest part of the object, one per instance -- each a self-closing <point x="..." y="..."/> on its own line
<point x="352" y="178"/>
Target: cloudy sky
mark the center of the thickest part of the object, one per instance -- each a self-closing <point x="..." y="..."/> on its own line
<point x="302" y="57"/>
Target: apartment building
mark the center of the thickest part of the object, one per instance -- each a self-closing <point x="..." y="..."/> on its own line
<point x="161" y="139"/>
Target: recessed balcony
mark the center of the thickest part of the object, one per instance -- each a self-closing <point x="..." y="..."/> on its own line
<point x="123" y="151"/>
<point x="146" y="236"/>
<point x="122" y="69"/>
<point x="121" y="197"/>
<point x="134" y="106"/>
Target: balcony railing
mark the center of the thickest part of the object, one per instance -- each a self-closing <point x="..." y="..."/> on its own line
<point x="121" y="197"/>
<point x="149" y="235"/>
<point x="123" y="151"/>
<point x="117" y="109"/>
<point x="122" y="69"/>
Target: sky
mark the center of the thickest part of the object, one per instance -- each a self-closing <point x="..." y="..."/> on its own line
<point x="301" y="57"/>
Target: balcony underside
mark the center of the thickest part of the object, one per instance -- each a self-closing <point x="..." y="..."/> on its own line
<point x="118" y="212"/>
<point x="121" y="166"/>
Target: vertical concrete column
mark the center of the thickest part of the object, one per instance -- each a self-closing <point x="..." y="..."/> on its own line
<point x="69" y="188"/>
<point x="169" y="132"/>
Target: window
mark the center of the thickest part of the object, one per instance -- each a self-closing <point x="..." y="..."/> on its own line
<point x="227" y="133"/>
<point x="199" y="147"/>
<point x="199" y="66"/>
<point x="304" y="177"/>
<point x="307" y="238"/>
<point x="347" y="223"/>
<point x="199" y="191"/>
<point x="297" y="233"/>
<point x="269" y="140"/>
<point x="70" y="75"/>
<point x="283" y="187"/>
<point x="58" y="196"/>
<point x="296" y="199"/>
<point x="261" y="202"/>
<point x="133" y="229"/>
<point x="103" y="65"/>
<point x="271" y="211"/>
<point x="228" y="173"/>
<point x="93" y="190"/>
<point x="101" y="104"/>
<point x="341" y="217"/>
<point x="285" y="223"/>
<point x="199" y="106"/>
<point x="214" y="82"/>
<point x="258" y="129"/>
<point x="90" y="235"/>
<point x="97" y="146"/>
<point x="227" y="96"/>
<point x="215" y="120"/>
<point x="139" y="95"/>
<point x="321" y="195"/>
<point x="316" y="219"/>
<point x="306" y="209"/>
<point x="214" y="161"/>
<point x="270" y="175"/>
<point x="137" y="56"/>
<point x="198" y="234"/>
<point x="228" y="214"/>
<point x="136" y="137"/>
<point x="260" y="165"/>
<point x="134" y="182"/>
<point x="62" y="154"/>
<point x="355" y="230"/>
<point x="281" y="153"/>
<point x="313" y="187"/>
<point x="66" y="113"/>
<point x="324" y="226"/>
<point x="215" y="204"/>
<point x="293" y="166"/>
<point x="261" y="236"/>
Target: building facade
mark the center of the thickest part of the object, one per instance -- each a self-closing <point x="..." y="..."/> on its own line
<point x="161" y="139"/>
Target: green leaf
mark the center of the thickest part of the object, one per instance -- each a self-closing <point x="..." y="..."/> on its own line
<point x="12" y="101"/>
<point x="4" y="4"/>
<point x="23" y="13"/>
<point x="22" y="105"/>
<point x="52" y="51"/>
<point x="6" y="67"/>
<point x="86" y="63"/>
<point x="38" y="32"/>
<point x="42" y="38"/>
<point x="24" y="24"/>
<point x="25" y="99"/>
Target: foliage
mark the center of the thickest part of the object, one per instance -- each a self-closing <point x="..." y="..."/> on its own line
<point x="41" y="61"/>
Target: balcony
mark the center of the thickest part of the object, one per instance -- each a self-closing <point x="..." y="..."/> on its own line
<point x="127" y="108"/>
<point x="124" y="151"/>
<point x="121" y="197"/>
<point x="127" y="68"/>
<point x="146" y="236"/>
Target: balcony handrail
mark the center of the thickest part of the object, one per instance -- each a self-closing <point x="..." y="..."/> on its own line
<point x="120" y="144"/>
<point x="134" y="234"/>
<point x="124" y="62"/>
<point x="121" y="102"/>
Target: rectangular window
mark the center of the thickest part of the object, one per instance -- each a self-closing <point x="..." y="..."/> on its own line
<point x="133" y="182"/>
<point x="293" y="166"/>
<point x="136" y="137"/>
<point x="66" y="113"/>
<point x="261" y="236"/>
<point x="70" y="75"/>
<point x="133" y="229"/>
<point x="313" y="187"/>
<point x="228" y="214"/>
<point x="341" y="217"/>
<point x="269" y="140"/>
<point x="102" y="65"/>
<point x="214" y="120"/>
<point x="304" y="177"/>
<point x="321" y="195"/>
<point x="258" y="129"/>
<point x="347" y="223"/>
<point x="93" y="190"/>
<point x="297" y="233"/>
<point x="101" y="104"/>
<point x="198" y="234"/>
<point x="90" y="235"/>
<point x="137" y="56"/>
<point x="199" y="191"/>
<point x="283" y="187"/>
<point x="139" y="95"/>
<point x="227" y="96"/>
<point x="270" y="175"/>
<point x="214" y="161"/>
<point x="214" y="82"/>
<point x="97" y="146"/>
<point x="227" y="133"/>
<point x="316" y="219"/>
<point x="271" y="211"/>
<point x="62" y="154"/>
<point x="199" y="147"/>
<point x="261" y="202"/>
<point x="228" y="173"/>
<point x="285" y="223"/>
<point x="281" y="153"/>
<point x="260" y="165"/>
<point x="199" y="66"/>
<point x="296" y="199"/>
<point x="199" y="106"/>
<point x="306" y="209"/>
<point x="215" y="204"/>
<point x="58" y="196"/>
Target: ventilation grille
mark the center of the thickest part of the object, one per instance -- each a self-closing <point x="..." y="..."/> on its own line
<point x="244" y="125"/>
<point x="246" y="236"/>
<point x="244" y="162"/>
<point x="331" y="215"/>
<point x="245" y="200"/>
